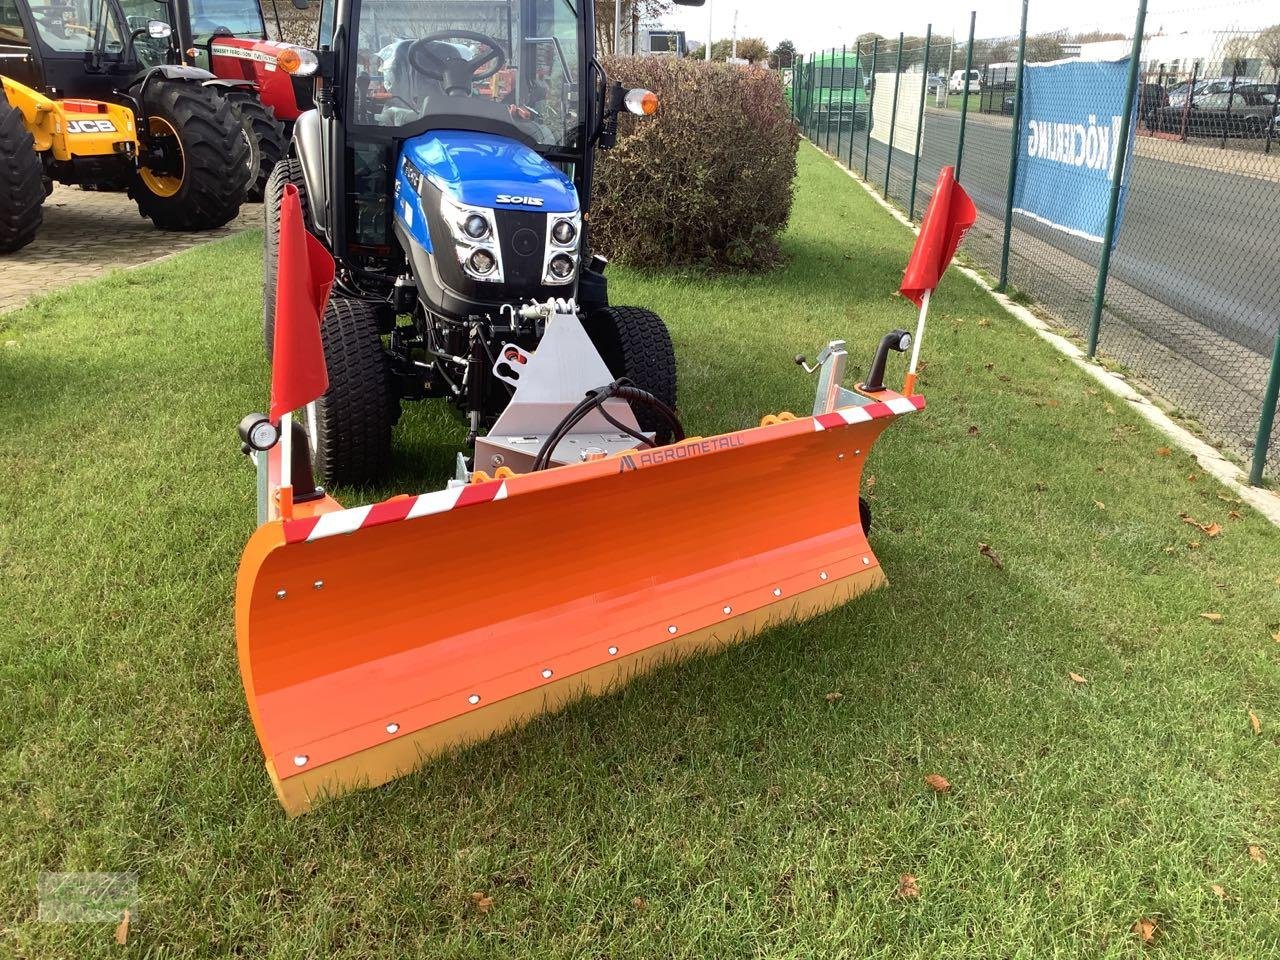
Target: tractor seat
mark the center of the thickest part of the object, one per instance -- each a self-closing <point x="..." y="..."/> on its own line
<point x="402" y="81"/>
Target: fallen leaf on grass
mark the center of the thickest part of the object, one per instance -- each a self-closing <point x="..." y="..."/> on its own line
<point x="973" y="429"/>
<point x="1163" y="451"/>
<point x="908" y="887"/>
<point x="1218" y="890"/>
<point x="1192" y="477"/>
<point x="1193" y="545"/>
<point x="1210" y="529"/>
<point x="1145" y="929"/>
<point x="1211" y="617"/>
<point x="1099" y="505"/>
<point x="1235" y="515"/>
<point x="984" y="322"/>
<point x="481" y="902"/>
<point x="122" y="929"/>
<point x="986" y="551"/>
<point x="640" y="904"/>
<point x="938" y="783"/>
<point x="1076" y="678"/>
<point x="1256" y="853"/>
<point x="1276" y="636"/>
<point x="1255" y="724"/>
<point x="834" y="695"/>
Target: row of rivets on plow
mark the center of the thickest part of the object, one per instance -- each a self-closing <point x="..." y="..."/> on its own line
<point x="547" y="673"/>
<point x="301" y="760"/>
<point x="281" y="594"/>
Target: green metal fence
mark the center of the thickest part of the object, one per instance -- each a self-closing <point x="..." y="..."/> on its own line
<point x="1188" y="299"/>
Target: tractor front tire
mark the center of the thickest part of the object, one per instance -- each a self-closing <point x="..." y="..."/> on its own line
<point x="264" y="135"/>
<point x="635" y="344"/>
<point x="205" y="187"/>
<point x="287" y="171"/>
<point x="21" y="181"/>
<point x="355" y="416"/>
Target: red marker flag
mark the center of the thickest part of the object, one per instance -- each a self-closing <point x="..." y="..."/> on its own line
<point x="304" y="275"/>
<point x="950" y="215"/>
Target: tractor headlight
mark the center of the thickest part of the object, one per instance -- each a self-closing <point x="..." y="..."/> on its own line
<point x="564" y="232"/>
<point x="561" y="267"/>
<point x="482" y="262"/>
<point x="475" y="226"/>
<point x="474" y="233"/>
<point x="560" y="261"/>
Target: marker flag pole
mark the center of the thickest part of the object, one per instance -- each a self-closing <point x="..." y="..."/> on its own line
<point x="909" y="384"/>
<point x="950" y="215"/>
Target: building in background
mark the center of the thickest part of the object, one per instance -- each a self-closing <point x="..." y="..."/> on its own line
<point x="1208" y="53"/>
<point x="659" y="41"/>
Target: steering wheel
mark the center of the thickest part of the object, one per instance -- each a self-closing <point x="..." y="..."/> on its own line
<point x="455" y="72"/>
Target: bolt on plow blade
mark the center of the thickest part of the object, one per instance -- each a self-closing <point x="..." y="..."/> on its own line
<point x="372" y="638"/>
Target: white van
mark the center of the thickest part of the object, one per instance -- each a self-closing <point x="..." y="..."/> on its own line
<point x="957" y="81"/>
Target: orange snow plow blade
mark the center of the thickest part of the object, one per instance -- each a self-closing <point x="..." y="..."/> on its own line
<point x="373" y="638"/>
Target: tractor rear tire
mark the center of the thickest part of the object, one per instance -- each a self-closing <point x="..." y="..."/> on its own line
<point x="21" y="181"/>
<point x="287" y="171"/>
<point x="635" y="344"/>
<point x="265" y="137"/>
<point x="355" y="416"/>
<point x="213" y="174"/>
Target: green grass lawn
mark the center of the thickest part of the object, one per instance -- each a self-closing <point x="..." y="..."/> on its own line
<point x="727" y="807"/>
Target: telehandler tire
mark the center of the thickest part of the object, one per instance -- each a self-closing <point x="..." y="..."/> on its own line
<point x="287" y="171"/>
<point x="205" y="185"/>
<point x="355" y="417"/>
<point x="265" y="137"/>
<point x="22" y="189"/>
<point x="634" y="343"/>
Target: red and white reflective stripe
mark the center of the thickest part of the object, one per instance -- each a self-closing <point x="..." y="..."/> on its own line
<point x="451" y="498"/>
<point x="871" y="411"/>
<point x="389" y="511"/>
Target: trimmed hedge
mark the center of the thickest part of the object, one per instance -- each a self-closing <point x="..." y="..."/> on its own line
<point x="708" y="180"/>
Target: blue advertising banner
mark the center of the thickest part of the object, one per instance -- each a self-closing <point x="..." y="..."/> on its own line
<point x="1070" y="144"/>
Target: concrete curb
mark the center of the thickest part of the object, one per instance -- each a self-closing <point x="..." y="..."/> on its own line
<point x="1211" y="461"/>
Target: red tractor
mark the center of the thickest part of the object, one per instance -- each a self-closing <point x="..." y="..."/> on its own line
<point x="229" y="38"/>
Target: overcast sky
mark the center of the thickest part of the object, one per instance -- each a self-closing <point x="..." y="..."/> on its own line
<point x="820" y="23"/>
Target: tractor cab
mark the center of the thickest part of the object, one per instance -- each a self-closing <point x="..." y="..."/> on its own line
<point x="83" y="48"/>
<point x="447" y="168"/>
<point x="489" y="96"/>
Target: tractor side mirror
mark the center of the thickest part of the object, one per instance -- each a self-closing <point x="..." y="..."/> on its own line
<point x="158" y="30"/>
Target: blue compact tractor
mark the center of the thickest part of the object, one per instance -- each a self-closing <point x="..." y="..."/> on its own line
<point x="447" y="167"/>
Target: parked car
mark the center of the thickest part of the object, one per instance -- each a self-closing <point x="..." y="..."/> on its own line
<point x="1243" y="114"/>
<point x="957" y="81"/>
<point x="1151" y="99"/>
<point x="1206" y="85"/>
<point x="934" y="81"/>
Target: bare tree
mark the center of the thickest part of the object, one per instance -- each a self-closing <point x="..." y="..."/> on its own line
<point x="649" y="11"/>
<point x="1267" y="43"/>
<point x="752" y="49"/>
<point x="1235" y="53"/>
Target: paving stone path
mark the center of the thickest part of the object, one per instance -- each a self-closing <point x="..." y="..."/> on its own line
<point x="86" y="234"/>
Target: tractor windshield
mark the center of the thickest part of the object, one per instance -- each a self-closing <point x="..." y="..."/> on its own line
<point x="225" y="18"/>
<point x="516" y="61"/>
<point x="81" y="26"/>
